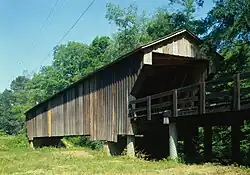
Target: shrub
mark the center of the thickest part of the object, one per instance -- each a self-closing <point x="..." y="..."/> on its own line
<point x="83" y="141"/>
<point x="13" y="142"/>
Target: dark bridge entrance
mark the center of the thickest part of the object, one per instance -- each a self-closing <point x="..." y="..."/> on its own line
<point x="166" y="73"/>
<point x="178" y="113"/>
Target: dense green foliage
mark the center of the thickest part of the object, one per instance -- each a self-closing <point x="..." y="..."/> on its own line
<point x="80" y="141"/>
<point x="13" y="143"/>
<point x="225" y="29"/>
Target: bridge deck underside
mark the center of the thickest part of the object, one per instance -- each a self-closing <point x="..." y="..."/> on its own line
<point x="215" y="119"/>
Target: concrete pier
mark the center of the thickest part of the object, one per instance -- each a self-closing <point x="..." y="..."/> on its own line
<point x="173" y="141"/>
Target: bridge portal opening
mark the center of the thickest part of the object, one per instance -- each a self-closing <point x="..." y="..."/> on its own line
<point x="167" y="72"/>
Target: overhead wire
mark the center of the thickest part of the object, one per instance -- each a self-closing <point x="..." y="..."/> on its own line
<point x="35" y="41"/>
<point x="68" y="31"/>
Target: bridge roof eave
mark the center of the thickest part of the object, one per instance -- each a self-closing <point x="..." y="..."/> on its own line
<point x="162" y="59"/>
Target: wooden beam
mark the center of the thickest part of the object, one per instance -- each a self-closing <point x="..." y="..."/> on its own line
<point x="149" y="107"/>
<point x="147" y="58"/>
<point x="49" y="118"/>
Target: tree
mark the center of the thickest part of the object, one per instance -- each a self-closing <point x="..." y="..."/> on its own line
<point x="72" y="61"/>
<point x="9" y="123"/>
<point x="229" y="26"/>
<point x="97" y="51"/>
<point x="131" y="29"/>
<point x="19" y="83"/>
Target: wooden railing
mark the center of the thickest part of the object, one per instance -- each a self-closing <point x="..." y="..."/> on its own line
<point x="229" y="93"/>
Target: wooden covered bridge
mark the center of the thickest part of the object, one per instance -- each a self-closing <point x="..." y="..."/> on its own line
<point x="143" y="98"/>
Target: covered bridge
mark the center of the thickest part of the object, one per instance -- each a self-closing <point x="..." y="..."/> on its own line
<point x="97" y="104"/>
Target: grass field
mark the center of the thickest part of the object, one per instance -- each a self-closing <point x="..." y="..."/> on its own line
<point x="16" y="158"/>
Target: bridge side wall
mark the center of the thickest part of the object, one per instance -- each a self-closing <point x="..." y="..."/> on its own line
<point x="96" y="106"/>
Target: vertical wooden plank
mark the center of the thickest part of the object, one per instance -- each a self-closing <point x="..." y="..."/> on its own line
<point x="110" y="108"/>
<point x="102" y="109"/>
<point x="52" y="118"/>
<point x="81" y="113"/>
<point x="61" y="115"/>
<point x="84" y="109"/>
<point x="68" y="112"/>
<point x="49" y="118"/>
<point x="73" y="105"/>
<point x="119" y="105"/>
<point x="125" y="104"/>
<point x="77" y="113"/>
<point x="34" y="124"/>
<point x="124" y="122"/>
<point x="30" y="125"/>
<point x="105" y="111"/>
<point x="117" y="102"/>
<point x="40" y="122"/>
<point x="114" y="133"/>
<point x="88" y="107"/>
<point x="91" y="108"/>
<point x="64" y="96"/>
<point x="94" y="107"/>
<point x="109" y="115"/>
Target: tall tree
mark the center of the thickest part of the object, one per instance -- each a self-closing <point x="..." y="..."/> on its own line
<point x="9" y="122"/>
<point x="97" y="51"/>
<point x="131" y="29"/>
<point x="228" y="26"/>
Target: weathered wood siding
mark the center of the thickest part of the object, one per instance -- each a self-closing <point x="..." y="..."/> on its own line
<point x="181" y="45"/>
<point x="96" y="106"/>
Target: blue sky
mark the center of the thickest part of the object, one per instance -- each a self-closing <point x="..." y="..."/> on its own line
<point x="21" y="21"/>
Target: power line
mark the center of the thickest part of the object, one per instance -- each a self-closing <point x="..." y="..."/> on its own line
<point x="34" y="43"/>
<point x="69" y="30"/>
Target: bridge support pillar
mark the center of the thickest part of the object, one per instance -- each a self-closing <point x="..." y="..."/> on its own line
<point x="173" y="141"/>
<point x="106" y="148"/>
<point x="130" y="145"/>
<point x="208" y="141"/>
<point x="31" y="144"/>
<point x="235" y="134"/>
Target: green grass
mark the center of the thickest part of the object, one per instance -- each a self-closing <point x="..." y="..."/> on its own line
<point x="18" y="159"/>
